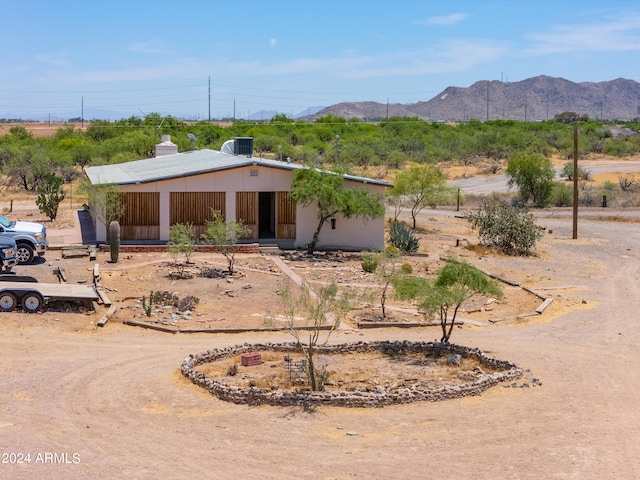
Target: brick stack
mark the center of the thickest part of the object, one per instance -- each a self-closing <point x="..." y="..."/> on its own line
<point x="250" y="359"/>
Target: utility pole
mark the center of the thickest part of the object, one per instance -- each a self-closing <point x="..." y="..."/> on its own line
<point x="547" y="106"/>
<point x="82" y="112"/>
<point x="336" y="161"/>
<point x="575" y="180"/>
<point x="487" y="100"/>
<point x="209" y="99"/>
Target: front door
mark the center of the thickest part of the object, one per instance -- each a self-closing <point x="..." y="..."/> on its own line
<point x="266" y="215"/>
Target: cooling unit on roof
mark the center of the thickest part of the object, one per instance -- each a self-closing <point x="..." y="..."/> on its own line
<point x="243" y="146"/>
<point x="238" y="146"/>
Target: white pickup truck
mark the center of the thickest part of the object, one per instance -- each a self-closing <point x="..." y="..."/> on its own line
<point x="30" y="238"/>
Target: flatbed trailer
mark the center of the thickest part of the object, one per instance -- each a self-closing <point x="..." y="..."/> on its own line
<point x="32" y="295"/>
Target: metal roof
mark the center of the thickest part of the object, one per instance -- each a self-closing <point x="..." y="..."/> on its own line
<point x="187" y="164"/>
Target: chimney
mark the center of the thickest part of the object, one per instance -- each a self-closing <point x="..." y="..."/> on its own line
<point x="166" y="147"/>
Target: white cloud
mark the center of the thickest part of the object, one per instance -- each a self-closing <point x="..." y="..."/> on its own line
<point x="272" y="42"/>
<point x="448" y="56"/>
<point x="443" y="20"/>
<point x="55" y="59"/>
<point x="156" y="47"/>
<point x="617" y="35"/>
<point x="445" y="57"/>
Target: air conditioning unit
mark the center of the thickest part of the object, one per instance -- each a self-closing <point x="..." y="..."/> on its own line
<point x="243" y="146"/>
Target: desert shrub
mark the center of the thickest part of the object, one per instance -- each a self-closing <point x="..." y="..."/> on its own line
<point x="370" y="261"/>
<point x="232" y="371"/>
<point x="163" y="297"/>
<point x="627" y="182"/>
<point x="583" y="173"/>
<point x="168" y="299"/>
<point x="561" y="195"/>
<point x="182" y="239"/>
<point x="507" y="228"/>
<point x="406" y="267"/>
<point x="609" y="186"/>
<point x="587" y="196"/>
<point x="187" y="303"/>
<point x="401" y="237"/>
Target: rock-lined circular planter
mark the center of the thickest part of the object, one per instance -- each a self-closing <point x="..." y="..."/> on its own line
<point x="504" y="371"/>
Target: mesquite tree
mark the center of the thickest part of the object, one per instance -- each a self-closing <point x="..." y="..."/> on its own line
<point x="327" y="191"/>
<point x="456" y="282"/>
<point x="50" y="195"/>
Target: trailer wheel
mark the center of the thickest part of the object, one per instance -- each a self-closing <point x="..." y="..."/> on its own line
<point x="32" y="302"/>
<point x="7" y="301"/>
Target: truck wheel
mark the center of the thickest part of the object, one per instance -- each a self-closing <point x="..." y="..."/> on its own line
<point x="7" y="301"/>
<point x="25" y="253"/>
<point x="32" y="302"/>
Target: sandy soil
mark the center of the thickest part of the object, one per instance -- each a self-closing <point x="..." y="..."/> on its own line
<point x="114" y="396"/>
<point x="110" y="402"/>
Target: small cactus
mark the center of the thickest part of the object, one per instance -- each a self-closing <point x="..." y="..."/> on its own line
<point x="406" y="268"/>
<point x="114" y="241"/>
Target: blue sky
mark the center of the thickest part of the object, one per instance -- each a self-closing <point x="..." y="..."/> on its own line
<point x="138" y="56"/>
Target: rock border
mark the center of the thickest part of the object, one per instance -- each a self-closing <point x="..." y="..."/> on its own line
<point x="382" y="397"/>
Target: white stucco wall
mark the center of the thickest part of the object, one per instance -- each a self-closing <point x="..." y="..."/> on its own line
<point x="352" y="234"/>
<point x="349" y="234"/>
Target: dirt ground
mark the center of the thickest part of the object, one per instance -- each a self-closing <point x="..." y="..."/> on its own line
<point x="88" y="402"/>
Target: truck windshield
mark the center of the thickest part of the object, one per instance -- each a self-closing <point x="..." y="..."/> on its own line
<point x="4" y="222"/>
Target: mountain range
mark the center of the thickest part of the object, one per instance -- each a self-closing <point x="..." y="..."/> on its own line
<point x="534" y="99"/>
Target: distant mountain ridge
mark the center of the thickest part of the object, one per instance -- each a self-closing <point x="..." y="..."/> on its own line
<point x="534" y="99"/>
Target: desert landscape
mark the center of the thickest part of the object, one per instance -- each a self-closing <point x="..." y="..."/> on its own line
<point x="89" y="402"/>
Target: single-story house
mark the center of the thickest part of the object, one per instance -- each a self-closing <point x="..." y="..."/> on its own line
<point x="184" y="187"/>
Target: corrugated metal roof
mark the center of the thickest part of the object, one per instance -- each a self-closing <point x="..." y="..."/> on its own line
<point x="186" y="164"/>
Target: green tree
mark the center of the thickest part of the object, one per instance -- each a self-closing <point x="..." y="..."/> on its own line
<point x="455" y="283"/>
<point x="417" y="187"/>
<point x="507" y="228"/>
<point x="50" y="195"/>
<point x="533" y="175"/>
<point x="224" y="235"/>
<point x="27" y="166"/>
<point x="326" y="190"/>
